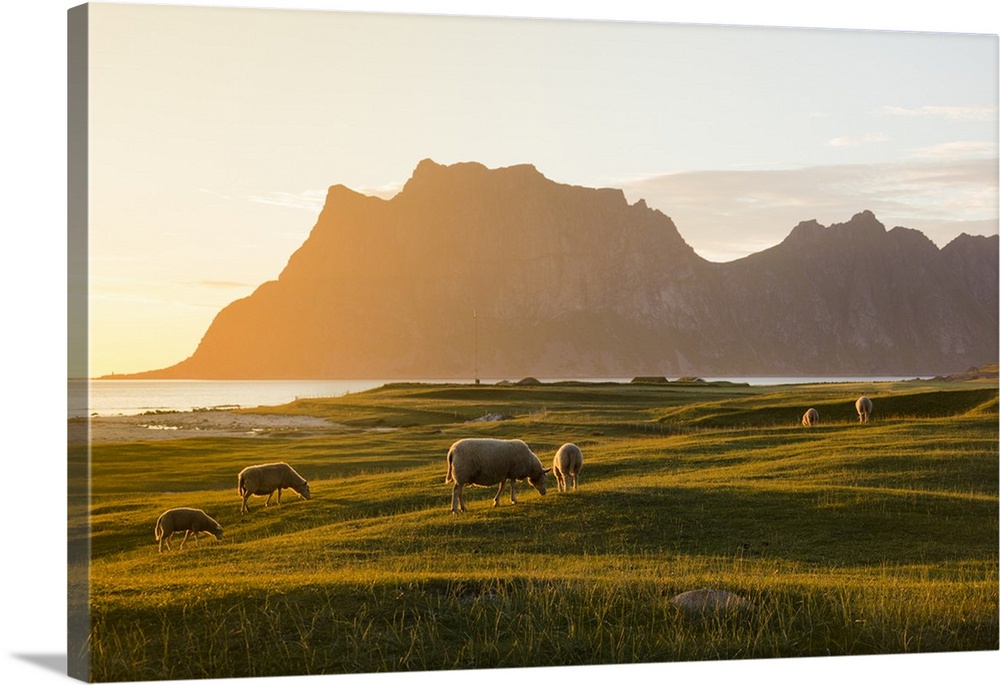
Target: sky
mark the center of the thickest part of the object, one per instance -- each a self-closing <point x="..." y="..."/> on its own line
<point x="215" y="132"/>
<point x="33" y="269"/>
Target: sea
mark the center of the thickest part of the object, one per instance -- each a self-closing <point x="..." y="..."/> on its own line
<point x="131" y="397"/>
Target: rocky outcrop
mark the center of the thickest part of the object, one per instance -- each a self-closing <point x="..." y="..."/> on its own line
<point x="507" y="274"/>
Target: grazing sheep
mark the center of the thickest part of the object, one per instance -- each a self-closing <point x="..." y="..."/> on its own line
<point x="864" y="407"/>
<point x="568" y="462"/>
<point x="810" y="418"/>
<point x="189" y="520"/>
<point x="264" y="479"/>
<point x="484" y="461"/>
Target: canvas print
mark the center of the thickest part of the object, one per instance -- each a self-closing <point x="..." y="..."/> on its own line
<point x="425" y="343"/>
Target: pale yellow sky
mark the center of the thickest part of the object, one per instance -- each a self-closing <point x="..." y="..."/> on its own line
<point x="215" y="133"/>
<point x="34" y="273"/>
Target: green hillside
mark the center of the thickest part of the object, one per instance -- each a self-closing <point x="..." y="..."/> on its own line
<point x="847" y="538"/>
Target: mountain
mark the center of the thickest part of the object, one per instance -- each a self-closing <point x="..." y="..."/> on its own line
<point x="503" y="273"/>
<point x="855" y="298"/>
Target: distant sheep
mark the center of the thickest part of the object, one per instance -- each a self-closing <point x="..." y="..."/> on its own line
<point x="864" y="407"/>
<point x="810" y="418"/>
<point x="264" y="479"/>
<point x="568" y="463"/>
<point x="190" y="521"/>
<point x="484" y="461"/>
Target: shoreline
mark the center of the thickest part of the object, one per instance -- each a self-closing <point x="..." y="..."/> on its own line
<point x="253" y="421"/>
<point x="188" y="424"/>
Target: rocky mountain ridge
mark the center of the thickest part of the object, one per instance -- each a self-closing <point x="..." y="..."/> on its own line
<point x="503" y="273"/>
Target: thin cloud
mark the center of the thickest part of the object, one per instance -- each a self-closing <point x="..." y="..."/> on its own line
<point x="310" y="200"/>
<point x="862" y="140"/>
<point x="960" y="149"/>
<point x="954" y="113"/>
<point x="227" y="285"/>
<point x="724" y="215"/>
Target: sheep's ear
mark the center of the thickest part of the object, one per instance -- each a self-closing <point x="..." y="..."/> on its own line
<point x="546" y="470"/>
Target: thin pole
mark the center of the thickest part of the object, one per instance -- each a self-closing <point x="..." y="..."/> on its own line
<point x="475" y="320"/>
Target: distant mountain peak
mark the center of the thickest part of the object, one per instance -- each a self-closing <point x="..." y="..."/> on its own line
<point x="862" y="223"/>
<point x="866" y="216"/>
<point x="559" y="280"/>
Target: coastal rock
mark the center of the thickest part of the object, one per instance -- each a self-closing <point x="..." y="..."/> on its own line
<point x="711" y="603"/>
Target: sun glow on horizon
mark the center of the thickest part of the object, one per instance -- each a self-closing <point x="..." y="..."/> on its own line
<point x="265" y="109"/>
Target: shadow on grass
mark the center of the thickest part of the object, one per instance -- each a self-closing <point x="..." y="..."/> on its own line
<point x="838" y="526"/>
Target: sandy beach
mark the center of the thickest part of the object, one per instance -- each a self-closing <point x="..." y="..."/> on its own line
<point x="174" y="425"/>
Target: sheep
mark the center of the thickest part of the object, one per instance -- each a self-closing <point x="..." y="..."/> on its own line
<point x="264" y="479"/>
<point x="810" y="418"/>
<point x="484" y="461"/>
<point x="189" y="520"/>
<point x="864" y="407"/>
<point x="568" y="462"/>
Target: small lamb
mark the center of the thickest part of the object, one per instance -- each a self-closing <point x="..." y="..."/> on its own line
<point x="190" y="521"/>
<point x="568" y="463"/>
<point x="810" y="418"/>
<point x="864" y="407"/>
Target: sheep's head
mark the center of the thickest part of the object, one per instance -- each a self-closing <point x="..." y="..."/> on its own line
<point x="303" y="490"/>
<point x="537" y="480"/>
<point x="217" y="531"/>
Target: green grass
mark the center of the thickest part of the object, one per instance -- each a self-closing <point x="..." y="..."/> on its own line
<point x="848" y="538"/>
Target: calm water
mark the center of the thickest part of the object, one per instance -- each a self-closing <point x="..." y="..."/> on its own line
<point x="110" y="398"/>
<point x="122" y="397"/>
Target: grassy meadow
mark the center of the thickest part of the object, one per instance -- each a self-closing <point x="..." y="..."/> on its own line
<point x="849" y="539"/>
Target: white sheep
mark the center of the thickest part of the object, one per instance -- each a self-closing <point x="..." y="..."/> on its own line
<point x="189" y="520"/>
<point x="810" y="418"/>
<point x="485" y="461"/>
<point x="568" y="462"/>
<point x="264" y="479"/>
<point x="864" y="407"/>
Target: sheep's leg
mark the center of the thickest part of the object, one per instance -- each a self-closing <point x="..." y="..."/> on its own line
<point x="186" y="533"/>
<point x="245" y="509"/>
<point x="456" y="498"/>
<point x="279" y="495"/>
<point x="496" y="499"/>
<point x="269" y="496"/>
<point x="560" y="482"/>
<point x="197" y="540"/>
<point x="513" y="500"/>
<point x="574" y="481"/>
